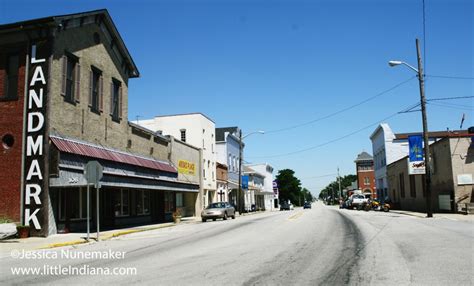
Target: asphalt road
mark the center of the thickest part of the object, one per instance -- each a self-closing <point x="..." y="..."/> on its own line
<point x="320" y="246"/>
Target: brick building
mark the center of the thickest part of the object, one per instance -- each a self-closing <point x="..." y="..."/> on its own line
<point x="63" y="102"/>
<point x="365" y="174"/>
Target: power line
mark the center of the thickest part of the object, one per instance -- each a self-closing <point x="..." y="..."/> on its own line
<point x="328" y="142"/>
<point x="317" y="177"/>
<point x="452" y="107"/>
<point x="341" y="110"/>
<point x="449" y="98"/>
<point x="449" y="77"/>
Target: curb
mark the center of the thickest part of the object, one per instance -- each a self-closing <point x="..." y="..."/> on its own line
<point x="105" y="237"/>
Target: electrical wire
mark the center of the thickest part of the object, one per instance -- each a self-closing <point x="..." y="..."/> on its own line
<point x="317" y="177"/>
<point x="449" y="77"/>
<point x="452" y="107"/>
<point x="329" y="142"/>
<point x="341" y="110"/>
<point x="449" y="98"/>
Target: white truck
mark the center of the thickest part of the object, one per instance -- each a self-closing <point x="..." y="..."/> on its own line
<point x="356" y="201"/>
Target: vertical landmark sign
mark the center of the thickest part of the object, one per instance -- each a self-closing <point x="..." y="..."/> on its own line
<point x="35" y="187"/>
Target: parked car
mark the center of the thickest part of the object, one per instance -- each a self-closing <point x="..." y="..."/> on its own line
<point x="284" y="206"/>
<point x="307" y="205"/>
<point x="218" y="210"/>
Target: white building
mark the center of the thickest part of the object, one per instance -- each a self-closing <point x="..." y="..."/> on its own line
<point x="228" y="153"/>
<point x="198" y="130"/>
<point x="270" y="198"/>
<point x="389" y="147"/>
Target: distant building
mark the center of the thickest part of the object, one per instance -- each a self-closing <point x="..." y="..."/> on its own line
<point x="451" y="180"/>
<point x="365" y="174"/>
<point x="227" y="146"/>
<point x="254" y="197"/>
<point x="269" y="196"/>
<point x="197" y="130"/>
<point x="222" y="194"/>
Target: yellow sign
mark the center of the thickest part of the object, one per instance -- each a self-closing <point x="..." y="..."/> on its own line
<point x="186" y="167"/>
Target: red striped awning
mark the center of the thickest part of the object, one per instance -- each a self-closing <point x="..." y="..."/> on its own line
<point x="72" y="146"/>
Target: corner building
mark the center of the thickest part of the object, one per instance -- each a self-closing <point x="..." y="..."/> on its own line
<point x="63" y="102"/>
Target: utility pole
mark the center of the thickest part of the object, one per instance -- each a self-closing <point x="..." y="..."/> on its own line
<point x="339" y="180"/>
<point x="429" y="212"/>
<point x="239" y="193"/>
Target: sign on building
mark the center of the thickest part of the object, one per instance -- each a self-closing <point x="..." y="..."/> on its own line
<point x="186" y="167"/>
<point x="245" y="182"/>
<point x="36" y="177"/>
<point x="416" y="163"/>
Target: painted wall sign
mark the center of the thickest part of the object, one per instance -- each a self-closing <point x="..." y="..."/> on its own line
<point x="35" y="180"/>
<point x="186" y="167"/>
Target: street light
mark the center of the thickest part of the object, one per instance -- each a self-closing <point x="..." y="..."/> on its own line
<point x="419" y="71"/>
<point x="239" y="194"/>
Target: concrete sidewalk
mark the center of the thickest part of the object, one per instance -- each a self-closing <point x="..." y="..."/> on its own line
<point x="60" y="240"/>
<point x="450" y="216"/>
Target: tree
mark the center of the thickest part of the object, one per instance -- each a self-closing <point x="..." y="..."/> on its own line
<point x="332" y="190"/>
<point x="308" y="197"/>
<point x="289" y="186"/>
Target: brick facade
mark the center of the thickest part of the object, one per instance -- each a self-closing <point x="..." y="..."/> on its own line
<point x="11" y="124"/>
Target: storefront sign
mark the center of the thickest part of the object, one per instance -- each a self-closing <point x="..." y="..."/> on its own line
<point x="35" y="193"/>
<point x="416" y="163"/>
<point x="416" y="168"/>
<point x="186" y="167"/>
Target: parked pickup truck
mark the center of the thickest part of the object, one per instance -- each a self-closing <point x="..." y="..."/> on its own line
<point x="355" y="201"/>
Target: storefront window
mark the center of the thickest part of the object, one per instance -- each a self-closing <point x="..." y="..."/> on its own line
<point x="169" y="202"/>
<point x="121" y="203"/>
<point x="74" y="202"/>
<point x="143" y="202"/>
<point x="179" y="200"/>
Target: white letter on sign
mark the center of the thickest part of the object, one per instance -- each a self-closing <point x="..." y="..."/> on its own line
<point x="34" y="195"/>
<point x="32" y="147"/>
<point x="31" y="116"/>
<point x="33" y="217"/>
<point x="37" y="98"/>
<point x="38" y="76"/>
<point x="34" y="171"/>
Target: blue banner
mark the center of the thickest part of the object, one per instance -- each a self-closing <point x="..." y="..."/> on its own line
<point x="245" y="182"/>
<point x="415" y="143"/>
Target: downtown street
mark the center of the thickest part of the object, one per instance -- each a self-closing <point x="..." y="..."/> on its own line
<point x="319" y="246"/>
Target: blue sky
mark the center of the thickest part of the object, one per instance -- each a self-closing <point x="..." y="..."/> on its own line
<point x="267" y="65"/>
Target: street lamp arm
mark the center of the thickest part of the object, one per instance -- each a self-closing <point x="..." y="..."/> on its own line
<point x="397" y="63"/>
<point x="255" y="132"/>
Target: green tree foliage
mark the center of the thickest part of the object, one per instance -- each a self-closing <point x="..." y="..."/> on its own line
<point x="306" y="194"/>
<point x="346" y="181"/>
<point x="289" y="188"/>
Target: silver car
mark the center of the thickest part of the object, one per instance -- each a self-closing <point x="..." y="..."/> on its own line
<point x="218" y="210"/>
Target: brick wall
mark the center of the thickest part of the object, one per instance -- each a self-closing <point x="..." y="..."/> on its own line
<point x="11" y="123"/>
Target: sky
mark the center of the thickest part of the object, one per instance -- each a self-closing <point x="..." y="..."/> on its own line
<point x="271" y="65"/>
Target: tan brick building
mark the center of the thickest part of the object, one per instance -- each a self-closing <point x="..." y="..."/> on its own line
<point x="63" y="102"/>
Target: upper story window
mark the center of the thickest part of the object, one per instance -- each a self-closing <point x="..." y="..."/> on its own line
<point x="10" y="88"/>
<point x="71" y="78"/>
<point x="96" y="101"/>
<point x="116" y="100"/>
<point x="183" y="135"/>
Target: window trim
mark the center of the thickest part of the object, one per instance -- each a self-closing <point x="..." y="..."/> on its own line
<point x="115" y="117"/>
<point x="73" y="97"/>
